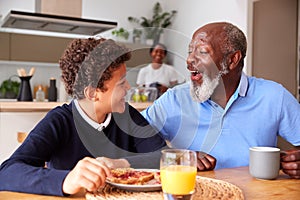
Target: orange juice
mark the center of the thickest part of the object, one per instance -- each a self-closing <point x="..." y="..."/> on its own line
<point x="178" y="179"/>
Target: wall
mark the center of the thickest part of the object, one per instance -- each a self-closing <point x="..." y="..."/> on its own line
<point x="275" y="44"/>
<point x="23" y="5"/>
<point x="191" y="15"/>
<point x="196" y="13"/>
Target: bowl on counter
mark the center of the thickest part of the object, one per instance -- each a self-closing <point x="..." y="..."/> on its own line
<point x="141" y="94"/>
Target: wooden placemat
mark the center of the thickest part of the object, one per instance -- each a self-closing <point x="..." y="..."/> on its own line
<point x="206" y="188"/>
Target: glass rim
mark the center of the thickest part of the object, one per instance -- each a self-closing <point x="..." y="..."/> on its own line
<point x="177" y="151"/>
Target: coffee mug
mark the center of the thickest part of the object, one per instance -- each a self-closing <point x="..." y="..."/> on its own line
<point x="264" y="162"/>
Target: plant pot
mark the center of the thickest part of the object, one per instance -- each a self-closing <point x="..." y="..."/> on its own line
<point x="149" y="42"/>
<point x="137" y="40"/>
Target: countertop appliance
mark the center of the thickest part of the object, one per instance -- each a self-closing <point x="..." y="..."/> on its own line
<point x="55" y="23"/>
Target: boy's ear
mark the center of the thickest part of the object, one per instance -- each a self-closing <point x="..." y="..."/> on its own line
<point x="91" y="93"/>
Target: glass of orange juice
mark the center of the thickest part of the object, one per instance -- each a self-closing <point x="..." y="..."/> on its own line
<point x="178" y="169"/>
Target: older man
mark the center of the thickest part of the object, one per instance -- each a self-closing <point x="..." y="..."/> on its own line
<point x="223" y="112"/>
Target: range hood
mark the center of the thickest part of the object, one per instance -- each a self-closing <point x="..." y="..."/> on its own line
<point x="55" y="23"/>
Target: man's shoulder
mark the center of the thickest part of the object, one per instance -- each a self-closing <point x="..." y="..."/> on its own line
<point x="182" y="87"/>
<point x="264" y="83"/>
<point x="266" y="88"/>
<point x="180" y="90"/>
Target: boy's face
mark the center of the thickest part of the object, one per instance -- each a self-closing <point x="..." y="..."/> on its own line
<point x="113" y="99"/>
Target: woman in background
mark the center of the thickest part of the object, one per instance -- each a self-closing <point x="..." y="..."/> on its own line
<point x="158" y="74"/>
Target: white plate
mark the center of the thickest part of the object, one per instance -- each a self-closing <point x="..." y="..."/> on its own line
<point x="138" y="188"/>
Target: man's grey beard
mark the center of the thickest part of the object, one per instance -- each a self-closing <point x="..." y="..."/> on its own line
<point x="203" y="92"/>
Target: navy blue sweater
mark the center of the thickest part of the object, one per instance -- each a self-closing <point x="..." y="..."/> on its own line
<point x="63" y="138"/>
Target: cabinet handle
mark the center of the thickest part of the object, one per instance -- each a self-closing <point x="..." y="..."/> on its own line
<point x="21" y="136"/>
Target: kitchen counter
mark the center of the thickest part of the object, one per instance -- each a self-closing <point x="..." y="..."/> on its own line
<point x="20" y="117"/>
<point x="20" y="106"/>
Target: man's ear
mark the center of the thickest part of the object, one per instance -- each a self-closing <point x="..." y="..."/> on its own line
<point x="91" y="93"/>
<point x="234" y="59"/>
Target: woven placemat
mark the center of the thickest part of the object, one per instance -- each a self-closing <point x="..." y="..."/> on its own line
<point x="206" y="188"/>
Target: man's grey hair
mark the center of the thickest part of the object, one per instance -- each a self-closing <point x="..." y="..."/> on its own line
<point x="235" y="40"/>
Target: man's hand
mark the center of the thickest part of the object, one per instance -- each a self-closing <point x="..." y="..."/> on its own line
<point x="113" y="163"/>
<point x="290" y="163"/>
<point x="162" y="89"/>
<point x="88" y="173"/>
<point x="205" y="161"/>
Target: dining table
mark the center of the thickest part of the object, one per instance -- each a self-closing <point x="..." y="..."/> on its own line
<point x="283" y="187"/>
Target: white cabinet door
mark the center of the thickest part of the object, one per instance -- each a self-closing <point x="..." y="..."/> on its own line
<point x="10" y="124"/>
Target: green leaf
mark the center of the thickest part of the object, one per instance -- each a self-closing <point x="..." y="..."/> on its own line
<point x="9" y="86"/>
<point x="121" y="32"/>
<point x="158" y="20"/>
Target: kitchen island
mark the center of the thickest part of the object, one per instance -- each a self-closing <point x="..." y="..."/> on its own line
<point x="22" y="106"/>
<point x="17" y="116"/>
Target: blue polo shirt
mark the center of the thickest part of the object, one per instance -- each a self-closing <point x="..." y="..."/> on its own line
<point x="256" y="113"/>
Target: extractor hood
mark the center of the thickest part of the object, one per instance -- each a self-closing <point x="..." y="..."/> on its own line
<point x="55" y="23"/>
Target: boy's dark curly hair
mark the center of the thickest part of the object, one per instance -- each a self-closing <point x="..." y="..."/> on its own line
<point x="90" y="62"/>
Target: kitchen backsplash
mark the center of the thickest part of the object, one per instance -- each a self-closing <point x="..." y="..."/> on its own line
<point x="43" y="73"/>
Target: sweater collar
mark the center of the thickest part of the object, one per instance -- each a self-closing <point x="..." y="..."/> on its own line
<point x="94" y="124"/>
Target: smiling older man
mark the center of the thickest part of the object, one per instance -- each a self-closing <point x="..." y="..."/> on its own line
<point x="223" y="112"/>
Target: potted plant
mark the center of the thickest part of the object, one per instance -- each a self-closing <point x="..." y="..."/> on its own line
<point x="9" y="89"/>
<point x="154" y="26"/>
<point x="121" y="33"/>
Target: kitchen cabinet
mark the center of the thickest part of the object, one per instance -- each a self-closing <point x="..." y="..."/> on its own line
<point x="35" y="48"/>
<point x="4" y="47"/>
<point x="19" y="117"/>
<point x="140" y="55"/>
<point x="31" y="48"/>
<point x="10" y="124"/>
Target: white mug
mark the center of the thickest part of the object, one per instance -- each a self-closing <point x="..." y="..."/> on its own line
<point x="264" y="162"/>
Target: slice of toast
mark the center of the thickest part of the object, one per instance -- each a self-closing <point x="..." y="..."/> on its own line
<point x="130" y="176"/>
